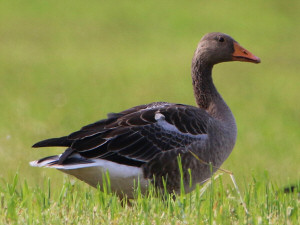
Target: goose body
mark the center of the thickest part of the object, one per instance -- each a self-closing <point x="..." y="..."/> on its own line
<point x="145" y="141"/>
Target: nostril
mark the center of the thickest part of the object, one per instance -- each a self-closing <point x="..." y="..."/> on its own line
<point x="245" y="52"/>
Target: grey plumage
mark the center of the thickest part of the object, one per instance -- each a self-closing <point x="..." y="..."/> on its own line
<point x="149" y="138"/>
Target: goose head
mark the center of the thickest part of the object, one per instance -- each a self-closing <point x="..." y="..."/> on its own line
<point x="217" y="47"/>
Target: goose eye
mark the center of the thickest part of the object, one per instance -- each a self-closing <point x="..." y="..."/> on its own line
<point x="221" y="39"/>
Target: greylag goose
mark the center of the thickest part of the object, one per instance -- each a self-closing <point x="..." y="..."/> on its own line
<point x="143" y="143"/>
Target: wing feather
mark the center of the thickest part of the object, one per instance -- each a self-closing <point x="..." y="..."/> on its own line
<point x="136" y="135"/>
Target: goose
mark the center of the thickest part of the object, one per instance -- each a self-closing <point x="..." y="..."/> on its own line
<point x="142" y="144"/>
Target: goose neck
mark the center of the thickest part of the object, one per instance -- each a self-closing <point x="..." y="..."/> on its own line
<point x="204" y="89"/>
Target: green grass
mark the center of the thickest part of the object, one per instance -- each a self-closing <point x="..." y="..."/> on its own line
<point x="74" y="204"/>
<point x="64" y="64"/>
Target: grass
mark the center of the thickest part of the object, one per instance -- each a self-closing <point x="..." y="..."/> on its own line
<point x="64" y="64"/>
<point x="76" y="204"/>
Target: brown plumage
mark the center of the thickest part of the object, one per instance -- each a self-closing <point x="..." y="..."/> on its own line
<point x="144" y="141"/>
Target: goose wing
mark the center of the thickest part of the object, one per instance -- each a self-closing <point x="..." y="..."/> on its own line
<point x="134" y="136"/>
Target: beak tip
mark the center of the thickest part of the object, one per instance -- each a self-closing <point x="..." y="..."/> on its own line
<point x="257" y="60"/>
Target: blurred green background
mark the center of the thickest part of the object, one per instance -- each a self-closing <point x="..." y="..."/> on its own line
<point x="64" y="64"/>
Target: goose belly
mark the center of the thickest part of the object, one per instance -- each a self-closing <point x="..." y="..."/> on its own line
<point x="123" y="179"/>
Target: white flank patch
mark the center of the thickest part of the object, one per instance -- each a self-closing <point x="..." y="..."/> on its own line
<point x="43" y="163"/>
<point x="160" y="118"/>
<point x="123" y="178"/>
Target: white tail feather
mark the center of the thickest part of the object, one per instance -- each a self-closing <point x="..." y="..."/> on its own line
<point x="122" y="177"/>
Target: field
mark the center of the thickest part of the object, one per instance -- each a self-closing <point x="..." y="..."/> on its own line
<point x="64" y="64"/>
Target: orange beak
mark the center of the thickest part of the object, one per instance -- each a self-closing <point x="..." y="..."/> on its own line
<point x="241" y="54"/>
